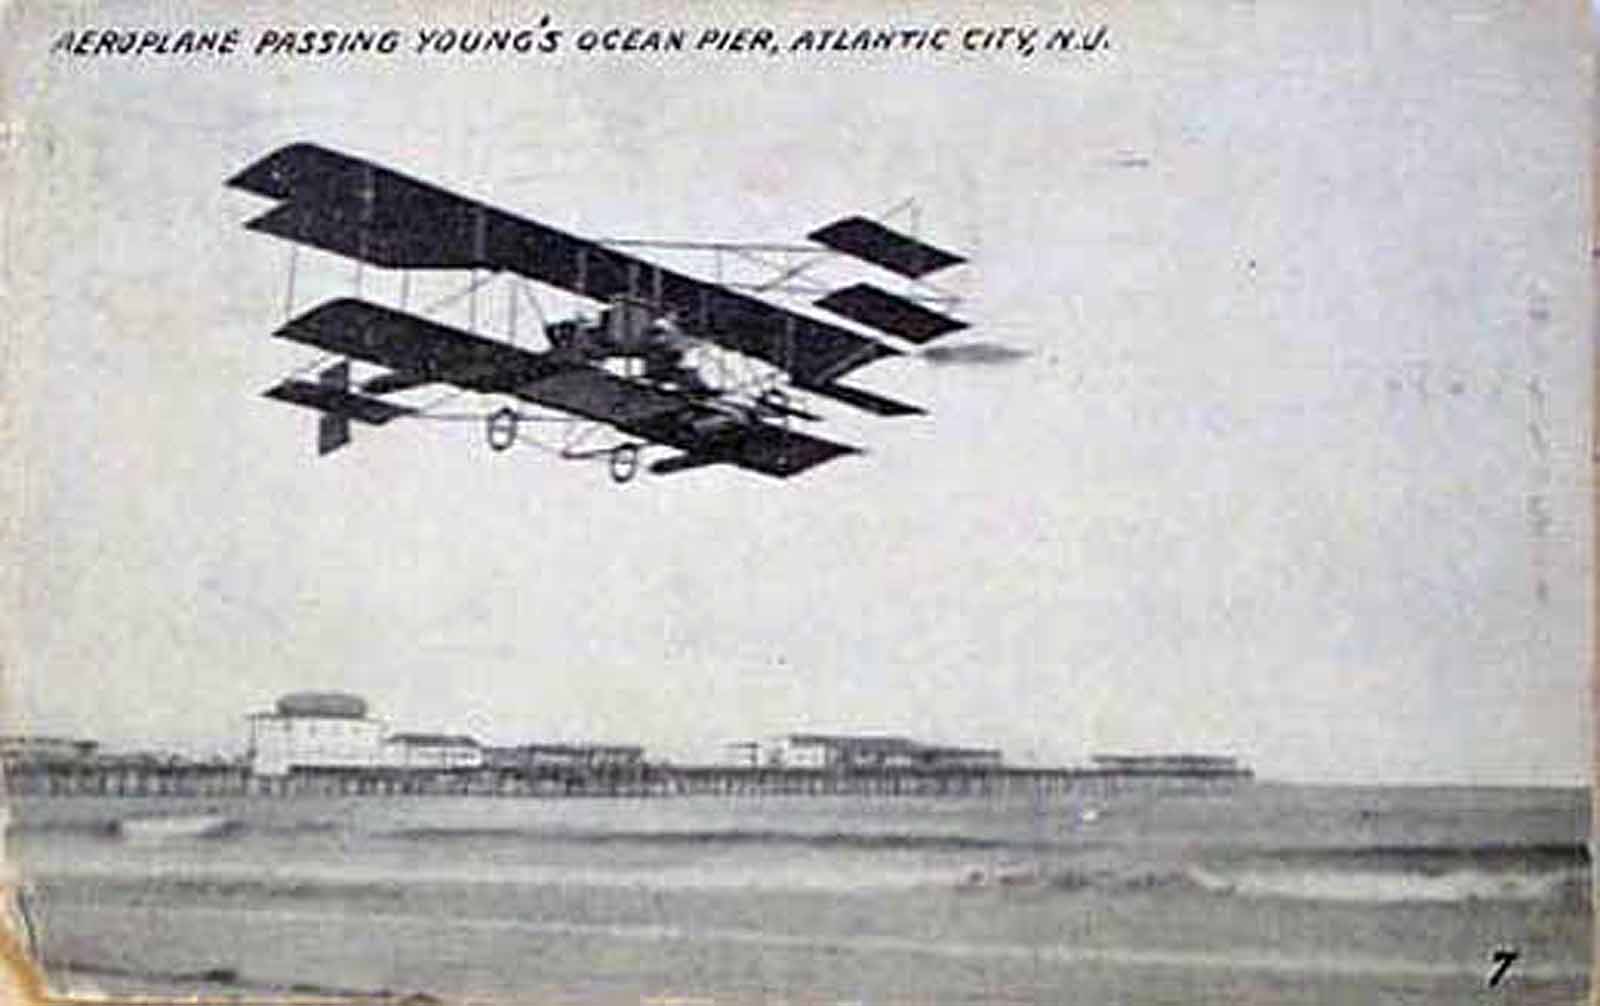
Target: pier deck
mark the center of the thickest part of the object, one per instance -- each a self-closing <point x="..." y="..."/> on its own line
<point x="645" y="780"/>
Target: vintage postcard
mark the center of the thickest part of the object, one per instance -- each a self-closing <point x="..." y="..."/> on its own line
<point x="840" y="503"/>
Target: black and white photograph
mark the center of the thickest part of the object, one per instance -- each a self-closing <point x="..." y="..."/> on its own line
<point x="941" y="503"/>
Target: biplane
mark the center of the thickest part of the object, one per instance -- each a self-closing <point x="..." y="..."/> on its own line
<point x="636" y="367"/>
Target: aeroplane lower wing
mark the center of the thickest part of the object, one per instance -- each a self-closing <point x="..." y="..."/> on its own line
<point x="420" y="348"/>
<point x="704" y="434"/>
<point x="364" y="211"/>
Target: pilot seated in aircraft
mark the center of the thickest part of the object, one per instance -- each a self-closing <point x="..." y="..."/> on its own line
<point x="665" y="352"/>
<point x="578" y="338"/>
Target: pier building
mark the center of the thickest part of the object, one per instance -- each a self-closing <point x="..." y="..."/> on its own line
<point x="857" y="752"/>
<point x="315" y="730"/>
<point x="431" y="751"/>
<point x="534" y="757"/>
<point x="1168" y="764"/>
<point x="30" y="748"/>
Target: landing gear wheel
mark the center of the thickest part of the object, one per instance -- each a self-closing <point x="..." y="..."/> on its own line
<point x="624" y="463"/>
<point x="501" y="428"/>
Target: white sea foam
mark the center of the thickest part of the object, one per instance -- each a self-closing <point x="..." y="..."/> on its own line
<point x="1383" y="886"/>
<point x="170" y="827"/>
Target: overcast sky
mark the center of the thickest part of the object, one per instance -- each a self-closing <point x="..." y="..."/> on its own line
<point x="1294" y="467"/>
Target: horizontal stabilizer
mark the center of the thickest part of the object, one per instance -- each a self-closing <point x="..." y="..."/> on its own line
<point x="889" y="313"/>
<point x="866" y="401"/>
<point x="872" y="242"/>
<point x="337" y="402"/>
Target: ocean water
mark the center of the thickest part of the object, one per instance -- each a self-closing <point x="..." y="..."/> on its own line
<point x="1265" y="894"/>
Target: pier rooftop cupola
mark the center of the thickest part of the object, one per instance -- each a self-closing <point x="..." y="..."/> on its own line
<point x="324" y="705"/>
<point x="315" y="730"/>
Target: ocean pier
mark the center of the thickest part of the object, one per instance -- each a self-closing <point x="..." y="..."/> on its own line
<point x="171" y="778"/>
<point x="327" y="744"/>
<point x="987" y="781"/>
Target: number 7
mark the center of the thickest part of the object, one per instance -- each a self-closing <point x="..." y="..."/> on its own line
<point x="1502" y="963"/>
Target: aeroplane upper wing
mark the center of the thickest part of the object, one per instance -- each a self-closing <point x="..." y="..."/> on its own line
<point x="417" y="349"/>
<point x="364" y="211"/>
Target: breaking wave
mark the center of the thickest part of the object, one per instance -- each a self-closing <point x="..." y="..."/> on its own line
<point x="176" y="827"/>
<point x="923" y="841"/>
<point x="1355" y="886"/>
<point x="1381" y="874"/>
<point x="1392" y="887"/>
<point x="1428" y="858"/>
<point x="1368" y="875"/>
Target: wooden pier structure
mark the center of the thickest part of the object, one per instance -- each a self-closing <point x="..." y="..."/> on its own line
<point x="88" y="778"/>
